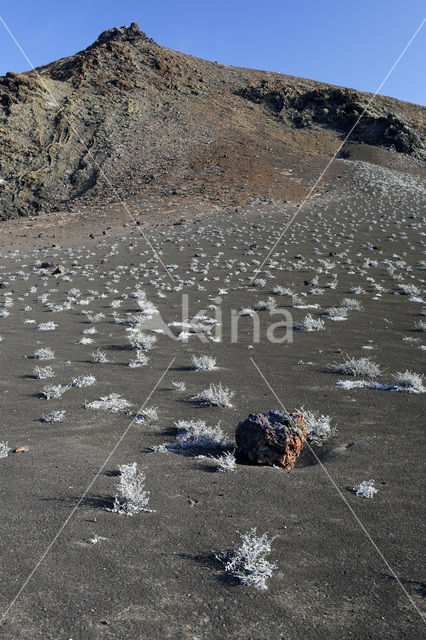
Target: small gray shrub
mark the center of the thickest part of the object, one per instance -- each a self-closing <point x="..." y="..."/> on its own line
<point x="248" y="562"/>
<point x="357" y="367"/>
<point x="131" y="495"/>
<point x="215" y="395"/>
<point x="4" y="449"/>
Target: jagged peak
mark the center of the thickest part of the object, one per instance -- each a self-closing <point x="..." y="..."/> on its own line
<point x="120" y="33"/>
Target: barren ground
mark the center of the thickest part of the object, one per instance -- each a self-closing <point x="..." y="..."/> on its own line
<point x="154" y="574"/>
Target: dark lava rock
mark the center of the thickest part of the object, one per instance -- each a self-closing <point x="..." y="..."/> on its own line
<point x="274" y="438"/>
<point x="58" y="271"/>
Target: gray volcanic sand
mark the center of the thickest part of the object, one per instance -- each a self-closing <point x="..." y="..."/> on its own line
<point x="154" y="575"/>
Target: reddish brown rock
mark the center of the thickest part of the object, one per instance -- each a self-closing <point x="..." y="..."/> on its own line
<point x="274" y="438"/>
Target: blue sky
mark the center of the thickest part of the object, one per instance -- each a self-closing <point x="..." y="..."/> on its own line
<point x="346" y="43"/>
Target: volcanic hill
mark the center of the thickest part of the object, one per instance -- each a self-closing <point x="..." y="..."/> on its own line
<point x="127" y="118"/>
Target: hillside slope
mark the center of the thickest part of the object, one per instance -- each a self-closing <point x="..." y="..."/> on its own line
<point x="158" y="121"/>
